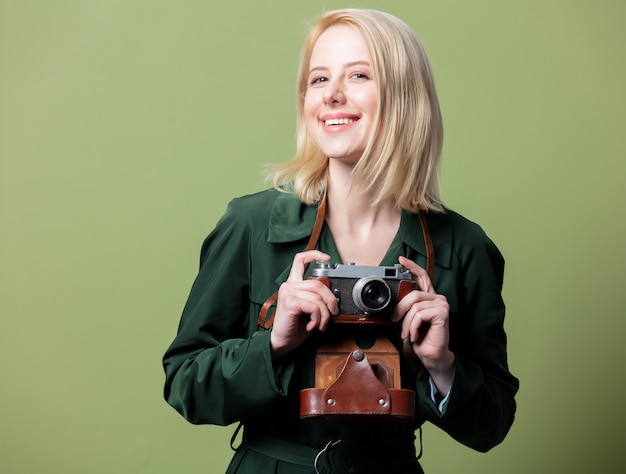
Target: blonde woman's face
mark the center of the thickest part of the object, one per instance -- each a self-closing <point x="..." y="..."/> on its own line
<point x="340" y="103"/>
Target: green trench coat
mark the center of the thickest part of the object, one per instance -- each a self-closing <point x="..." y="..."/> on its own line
<point x="219" y="369"/>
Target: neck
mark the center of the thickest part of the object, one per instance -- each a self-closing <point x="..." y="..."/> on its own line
<point x="362" y="232"/>
<point x="349" y="204"/>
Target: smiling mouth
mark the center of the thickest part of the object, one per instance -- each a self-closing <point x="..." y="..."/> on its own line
<point x="339" y="121"/>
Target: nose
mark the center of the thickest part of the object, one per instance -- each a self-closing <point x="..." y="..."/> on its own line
<point x="334" y="93"/>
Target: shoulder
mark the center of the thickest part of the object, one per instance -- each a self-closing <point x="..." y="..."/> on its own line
<point x="244" y="220"/>
<point x="270" y="214"/>
<point x="459" y="225"/>
<point x="254" y="204"/>
<point x="467" y="237"/>
<point x="252" y="210"/>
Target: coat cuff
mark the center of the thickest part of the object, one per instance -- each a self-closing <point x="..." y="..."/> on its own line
<point x="278" y="372"/>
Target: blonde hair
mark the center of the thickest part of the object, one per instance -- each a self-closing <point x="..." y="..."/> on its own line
<point x="401" y="160"/>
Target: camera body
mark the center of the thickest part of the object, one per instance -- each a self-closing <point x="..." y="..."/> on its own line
<point x="366" y="294"/>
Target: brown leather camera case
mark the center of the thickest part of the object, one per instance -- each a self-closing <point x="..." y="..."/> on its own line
<point x="356" y="383"/>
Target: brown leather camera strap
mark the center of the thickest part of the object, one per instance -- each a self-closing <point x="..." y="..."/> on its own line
<point x="315" y="235"/>
<point x="430" y="250"/>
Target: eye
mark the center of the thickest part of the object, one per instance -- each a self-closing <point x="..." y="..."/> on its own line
<point x="318" y="80"/>
<point x="359" y="75"/>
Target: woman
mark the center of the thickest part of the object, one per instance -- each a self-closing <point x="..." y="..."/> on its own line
<point x="369" y="142"/>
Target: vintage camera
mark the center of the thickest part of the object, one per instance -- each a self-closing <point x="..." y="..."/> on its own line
<point x="357" y="368"/>
<point x="366" y="294"/>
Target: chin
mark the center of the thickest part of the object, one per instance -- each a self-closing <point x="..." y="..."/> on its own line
<point x="342" y="154"/>
<point x="344" y="158"/>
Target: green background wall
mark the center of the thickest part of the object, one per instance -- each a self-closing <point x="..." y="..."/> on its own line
<point x="127" y="125"/>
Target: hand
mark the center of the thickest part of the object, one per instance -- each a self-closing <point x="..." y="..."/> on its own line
<point x="302" y="306"/>
<point x="425" y="324"/>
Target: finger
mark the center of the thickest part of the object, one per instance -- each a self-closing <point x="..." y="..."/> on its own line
<point x="409" y="301"/>
<point x="319" y="320"/>
<point x="315" y="289"/>
<point x="411" y="324"/>
<point x="301" y="260"/>
<point x="421" y="275"/>
<point x="317" y="312"/>
<point x="311" y="299"/>
<point x="424" y="315"/>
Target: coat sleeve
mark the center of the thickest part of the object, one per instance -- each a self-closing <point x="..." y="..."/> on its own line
<point x="216" y="371"/>
<point x="481" y="406"/>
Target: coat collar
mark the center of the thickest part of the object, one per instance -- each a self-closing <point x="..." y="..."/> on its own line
<point x="291" y="220"/>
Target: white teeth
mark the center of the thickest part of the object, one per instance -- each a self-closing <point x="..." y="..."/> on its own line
<point x="340" y="121"/>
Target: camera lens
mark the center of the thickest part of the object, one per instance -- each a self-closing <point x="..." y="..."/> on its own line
<point x="371" y="294"/>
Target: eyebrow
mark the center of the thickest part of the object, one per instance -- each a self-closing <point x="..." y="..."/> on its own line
<point x="346" y="65"/>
